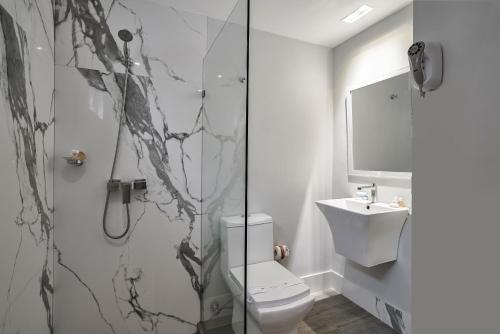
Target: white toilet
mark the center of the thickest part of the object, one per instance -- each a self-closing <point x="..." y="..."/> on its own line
<point x="277" y="299"/>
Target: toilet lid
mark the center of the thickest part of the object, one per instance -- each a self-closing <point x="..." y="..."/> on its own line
<point x="270" y="284"/>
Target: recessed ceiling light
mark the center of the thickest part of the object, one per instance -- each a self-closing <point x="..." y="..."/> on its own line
<point x="39" y="48"/>
<point x="357" y="14"/>
<point x="219" y="76"/>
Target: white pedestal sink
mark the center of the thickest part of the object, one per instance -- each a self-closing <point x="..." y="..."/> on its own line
<point x="364" y="232"/>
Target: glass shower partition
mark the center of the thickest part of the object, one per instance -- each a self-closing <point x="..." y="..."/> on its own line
<point x="224" y="173"/>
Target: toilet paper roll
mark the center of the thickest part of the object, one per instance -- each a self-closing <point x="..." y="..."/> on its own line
<point x="281" y="252"/>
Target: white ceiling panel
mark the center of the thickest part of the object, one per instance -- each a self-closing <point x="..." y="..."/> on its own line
<point x="318" y="21"/>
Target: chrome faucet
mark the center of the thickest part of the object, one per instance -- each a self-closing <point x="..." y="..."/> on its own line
<point x="373" y="190"/>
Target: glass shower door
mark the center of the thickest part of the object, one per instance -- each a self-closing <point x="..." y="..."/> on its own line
<point x="224" y="173"/>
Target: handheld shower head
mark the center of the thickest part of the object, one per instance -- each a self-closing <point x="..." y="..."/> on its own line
<point x="125" y="35"/>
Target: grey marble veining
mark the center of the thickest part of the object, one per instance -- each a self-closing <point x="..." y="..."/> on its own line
<point x="391" y="315"/>
<point x="26" y="235"/>
<point x="164" y="215"/>
<point x="155" y="279"/>
<point x="224" y="149"/>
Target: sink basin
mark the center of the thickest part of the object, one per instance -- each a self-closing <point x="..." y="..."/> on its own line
<point x="364" y="232"/>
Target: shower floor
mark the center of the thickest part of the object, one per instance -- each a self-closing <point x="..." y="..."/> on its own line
<point x="334" y="315"/>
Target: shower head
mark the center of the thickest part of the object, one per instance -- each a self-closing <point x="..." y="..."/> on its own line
<point x="125" y="35"/>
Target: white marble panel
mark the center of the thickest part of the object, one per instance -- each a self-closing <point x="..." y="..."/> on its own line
<point x="138" y="283"/>
<point x="36" y="18"/>
<point x="9" y="6"/>
<point x="394" y="316"/>
<point x="150" y="281"/>
<point x="26" y="153"/>
<point x="164" y="38"/>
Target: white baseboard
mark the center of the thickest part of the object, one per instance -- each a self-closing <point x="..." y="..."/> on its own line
<point x="324" y="284"/>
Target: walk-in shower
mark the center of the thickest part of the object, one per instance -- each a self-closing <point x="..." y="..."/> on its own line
<point x="123" y="236"/>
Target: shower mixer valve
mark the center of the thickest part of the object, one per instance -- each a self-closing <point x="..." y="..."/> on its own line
<point x="126" y="187"/>
<point x="126" y="190"/>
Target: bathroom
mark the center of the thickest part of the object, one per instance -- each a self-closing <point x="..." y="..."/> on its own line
<point x="248" y="166"/>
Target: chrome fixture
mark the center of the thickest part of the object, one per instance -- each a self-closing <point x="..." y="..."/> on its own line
<point x="202" y="92"/>
<point x="114" y="184"/>
<point x="126" y="192"/>
<point x="77" y="158"/>
<point x="140" y="184"/>
<point x="126" y="188"/>
<point x="373" y="191"/>
<point x="127" y="37"/>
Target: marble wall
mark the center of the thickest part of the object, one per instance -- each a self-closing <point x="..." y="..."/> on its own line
<point x="150" y="281"/>
<point x="26" y="153"/>
<point x="153" y="280"/>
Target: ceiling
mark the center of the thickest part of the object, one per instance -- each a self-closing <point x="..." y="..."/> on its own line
<point x="313" y="21"/>
<point x="218" y="9"/>
<point x="319" y="21"/>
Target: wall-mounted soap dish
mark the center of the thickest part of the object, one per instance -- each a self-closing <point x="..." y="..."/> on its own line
<point x="77" y="158"/>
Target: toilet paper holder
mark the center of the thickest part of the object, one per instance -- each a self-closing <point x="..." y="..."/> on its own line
<point x="281" y="252"/>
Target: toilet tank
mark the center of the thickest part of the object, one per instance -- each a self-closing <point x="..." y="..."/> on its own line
<point x="260" y="240"/>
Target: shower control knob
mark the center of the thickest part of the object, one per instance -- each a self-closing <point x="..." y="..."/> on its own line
<point x="140" y="184"/>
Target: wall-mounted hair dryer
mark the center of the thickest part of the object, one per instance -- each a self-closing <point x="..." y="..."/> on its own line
<point x="426" y="63"/>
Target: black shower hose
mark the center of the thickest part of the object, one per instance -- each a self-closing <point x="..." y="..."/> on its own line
<point x="120" y="125"/>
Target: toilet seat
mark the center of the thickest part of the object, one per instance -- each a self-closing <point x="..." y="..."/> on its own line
<point x="270" y="284"/>
<point x="277" y="299"/>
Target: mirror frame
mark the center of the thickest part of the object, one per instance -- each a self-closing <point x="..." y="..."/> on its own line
<point x="402" y="179"/>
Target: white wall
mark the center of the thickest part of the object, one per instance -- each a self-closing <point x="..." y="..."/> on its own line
<point x="371" y="55"/>
<point x="298" y="152"/>
<point x="290" y="146"/>
<point x="456" y="167"/>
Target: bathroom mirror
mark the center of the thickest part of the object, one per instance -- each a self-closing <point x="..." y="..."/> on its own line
<point x="379" y="128"/>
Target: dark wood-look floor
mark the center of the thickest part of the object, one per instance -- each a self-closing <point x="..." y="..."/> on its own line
<point x="334" y="315"/>
<point x="222" y="330"/>
<point x="338" y="315"/>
